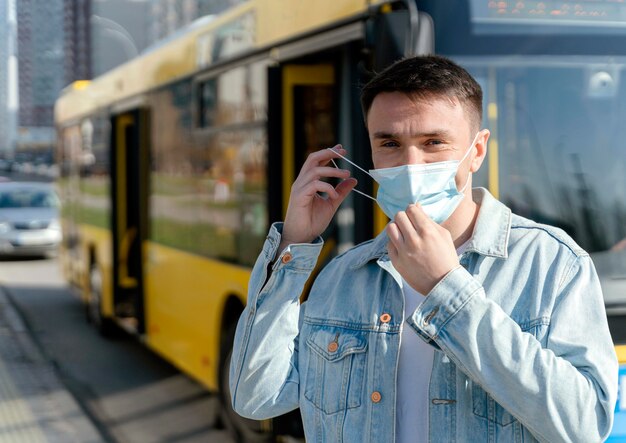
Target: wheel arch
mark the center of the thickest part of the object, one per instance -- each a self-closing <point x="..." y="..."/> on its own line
<point x="233" y="307"/>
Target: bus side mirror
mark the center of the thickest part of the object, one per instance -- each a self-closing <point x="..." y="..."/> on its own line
<point x="398" y="30"/>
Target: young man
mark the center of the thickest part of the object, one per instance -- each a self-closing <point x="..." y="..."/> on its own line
<point x="461" y="322"/>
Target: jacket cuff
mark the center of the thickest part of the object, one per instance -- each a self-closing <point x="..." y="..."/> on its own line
<point x="297" y="256"/>
<point x="443" y="302"/>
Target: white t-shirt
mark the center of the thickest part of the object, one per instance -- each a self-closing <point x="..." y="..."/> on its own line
<point x="415" y="365"/>
<point x="414" y="368"/>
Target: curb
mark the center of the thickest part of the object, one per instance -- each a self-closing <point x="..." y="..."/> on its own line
<point x="41" y="398"/>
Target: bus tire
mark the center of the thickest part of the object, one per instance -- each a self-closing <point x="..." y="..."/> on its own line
<point x="242" y="429"/>
<point x="104" y="325"/>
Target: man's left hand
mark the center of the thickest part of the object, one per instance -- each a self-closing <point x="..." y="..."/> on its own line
<point x="421" y="251"/>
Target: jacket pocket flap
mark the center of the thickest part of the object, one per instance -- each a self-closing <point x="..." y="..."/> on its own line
<point x="334" y="343"/>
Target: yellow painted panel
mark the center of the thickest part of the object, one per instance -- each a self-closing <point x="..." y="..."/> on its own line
<point x="620" y="350"/>
<point x="184" y="300"/>
<point x="494" y="168"/>
<point x="493" y="152"/>
<point x="280" y="19"/>
<point x="492" y="111"/>
<point x="380" y="220"/>
<point x="185" y="297"/>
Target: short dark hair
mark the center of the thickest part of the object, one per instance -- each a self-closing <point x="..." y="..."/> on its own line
<point x="425" y="77"/>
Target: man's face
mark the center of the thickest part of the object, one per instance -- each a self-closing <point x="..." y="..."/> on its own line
<point x="404" y="131"/>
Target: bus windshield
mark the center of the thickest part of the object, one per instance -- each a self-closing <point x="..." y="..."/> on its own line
<point x="555" y="102"/>
<point x="560" y="129"/>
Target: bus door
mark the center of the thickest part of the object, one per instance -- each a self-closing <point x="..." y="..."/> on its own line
<point x="309" y="123"/>
<point x="129" y="193"/>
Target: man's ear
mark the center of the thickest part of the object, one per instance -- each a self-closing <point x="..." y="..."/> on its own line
<point x="480" y="148"/>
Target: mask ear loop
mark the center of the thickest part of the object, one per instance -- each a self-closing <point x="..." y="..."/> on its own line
<point x="463" y="159"/>
<point x="355" y="165"/>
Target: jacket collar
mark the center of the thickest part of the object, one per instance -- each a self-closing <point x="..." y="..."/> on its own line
<point x="490" y="237"/>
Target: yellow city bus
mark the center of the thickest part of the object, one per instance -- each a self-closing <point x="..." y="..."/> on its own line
<point x="174" y="164"/>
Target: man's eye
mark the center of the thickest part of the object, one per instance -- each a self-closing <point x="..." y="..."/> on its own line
<point x="434" y="142"/>
<point x="390" y="144"/>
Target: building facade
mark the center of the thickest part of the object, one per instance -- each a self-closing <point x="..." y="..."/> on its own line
<point x="54" y="47"/>
<point x="8" y="78"/>
<point x="78" y="44"/>
<point x="41" y="59"/>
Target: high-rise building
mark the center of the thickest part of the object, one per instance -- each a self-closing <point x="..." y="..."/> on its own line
<point x="78" y="45"/>
<point x="41" y="59"/>
<point x="8" y="78"/>
<point x="54" y="48"/>
<point x="4" y="74"/>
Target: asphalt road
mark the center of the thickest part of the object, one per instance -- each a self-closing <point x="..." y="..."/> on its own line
<point x="131" y="394"/>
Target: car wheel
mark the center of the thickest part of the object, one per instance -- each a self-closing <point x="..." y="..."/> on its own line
<point x="244" y="430"/>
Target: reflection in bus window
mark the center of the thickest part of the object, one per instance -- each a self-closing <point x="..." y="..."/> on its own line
<point x="208" y="190"/>
<point x="236" y="96"/>
<point x="562" y="161"/>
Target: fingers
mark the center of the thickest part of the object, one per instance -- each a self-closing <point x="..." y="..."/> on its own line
<point x="343" y="189"/>
<point x="314" y="168"/>
<point x="314" y="171"/>
<point x="318" y="172"/>
<point x="395" y="236"/>
<point x="323" y="156"/>
<point x="392" y="250"/>
<point x="405" y="226"/>
<point x="417" y="216"/>
<point x="315" y="186"/>
<point x="412" y="224"/>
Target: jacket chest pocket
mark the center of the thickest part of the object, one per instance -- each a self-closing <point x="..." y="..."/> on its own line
<point x="336" y="369"/>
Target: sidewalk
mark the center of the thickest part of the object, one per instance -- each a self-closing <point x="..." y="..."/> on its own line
<point x="35" y="407"/>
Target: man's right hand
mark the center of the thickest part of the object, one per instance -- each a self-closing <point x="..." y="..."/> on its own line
<point x="309" y="214"/>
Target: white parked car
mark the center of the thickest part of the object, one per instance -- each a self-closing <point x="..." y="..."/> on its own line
<point x="29" y="219"/>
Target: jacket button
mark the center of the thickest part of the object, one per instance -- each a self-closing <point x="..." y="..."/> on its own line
<point x="430" y="316"/>
<point x="376" y="397"/>
<point x="385" y="318"/>
<point x="287" y="258"/>
<point x="333" y="346"/>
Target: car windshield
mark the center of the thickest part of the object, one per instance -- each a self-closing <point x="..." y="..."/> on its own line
<point x="27" y="198"/>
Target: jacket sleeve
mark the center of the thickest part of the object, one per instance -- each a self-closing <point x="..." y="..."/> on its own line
<point x="264" y="380"/>
<point x="565" y="392"/>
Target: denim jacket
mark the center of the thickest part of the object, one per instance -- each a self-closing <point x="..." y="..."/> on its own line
<point x="523" y="350"/>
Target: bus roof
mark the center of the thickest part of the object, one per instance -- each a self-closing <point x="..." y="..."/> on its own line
<point x="254" y="24"/>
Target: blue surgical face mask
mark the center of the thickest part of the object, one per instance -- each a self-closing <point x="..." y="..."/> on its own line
<point x="432" y="185"/>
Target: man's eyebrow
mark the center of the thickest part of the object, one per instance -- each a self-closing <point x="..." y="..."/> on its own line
<point x="382" y="134"/>
<point x="440" y="133"/>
